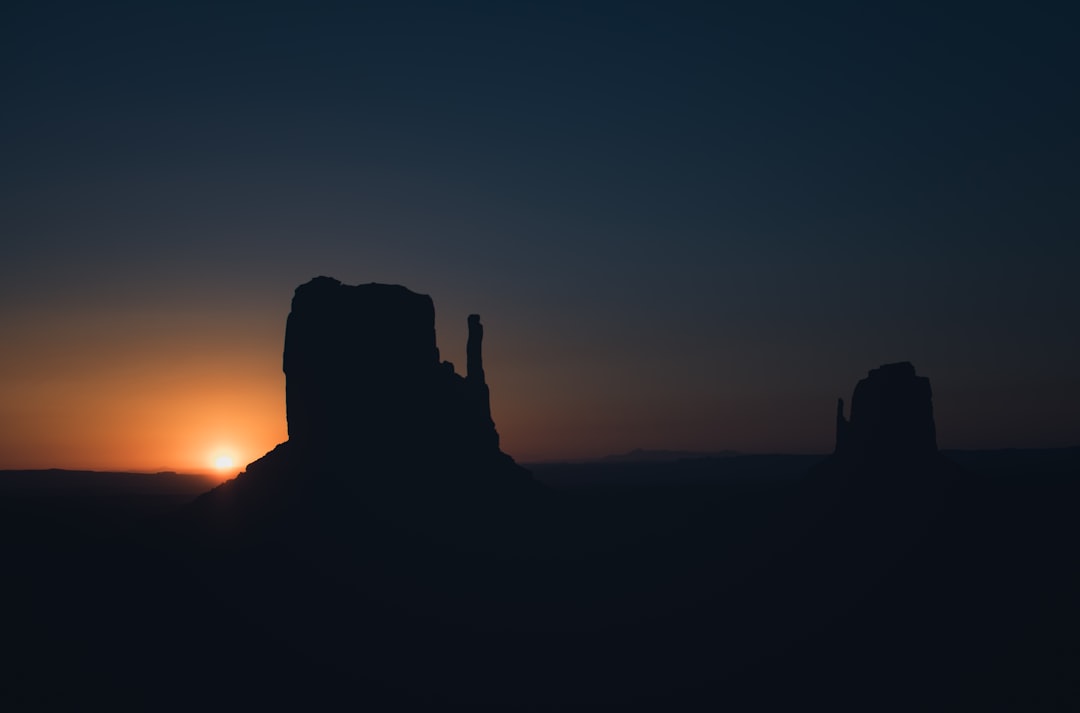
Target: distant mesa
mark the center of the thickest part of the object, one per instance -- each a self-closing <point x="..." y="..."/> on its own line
<point x="886" y="478"/>
<point x="891" y="418"/>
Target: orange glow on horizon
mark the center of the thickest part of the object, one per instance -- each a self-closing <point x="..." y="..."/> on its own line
<point x="141" y="397"/>
<point x="147" y="390"/>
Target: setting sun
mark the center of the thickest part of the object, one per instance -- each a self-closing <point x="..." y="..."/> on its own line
<point x="224" y="462"/>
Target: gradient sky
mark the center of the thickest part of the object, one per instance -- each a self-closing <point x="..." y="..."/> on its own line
<point x="685" y="226"/>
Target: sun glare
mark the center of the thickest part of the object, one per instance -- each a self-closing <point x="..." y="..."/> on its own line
<point x="223" y="462"/>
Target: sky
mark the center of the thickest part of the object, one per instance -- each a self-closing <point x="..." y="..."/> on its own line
<point x="684" y="225"/>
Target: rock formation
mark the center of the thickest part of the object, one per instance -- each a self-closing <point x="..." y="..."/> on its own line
<point x="364" y="379"/>
<point x="363" y="374"/>
<point x="892" y="417"/>
<point x="375" y="417"/>
<point x="357" y="361"/>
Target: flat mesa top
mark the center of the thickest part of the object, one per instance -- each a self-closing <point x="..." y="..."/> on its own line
<point x="327" y="288"/>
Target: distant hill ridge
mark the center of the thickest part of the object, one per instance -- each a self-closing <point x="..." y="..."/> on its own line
<point x="56" y="481"/>
<point x="642" y="455"/>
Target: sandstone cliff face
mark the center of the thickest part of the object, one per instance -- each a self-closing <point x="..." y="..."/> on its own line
<point x="892" y="416"/>
<point x="363" y="375"/>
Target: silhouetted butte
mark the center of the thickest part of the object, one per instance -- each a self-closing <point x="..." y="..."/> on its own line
<point x="886" y="457"/>
<point x="363" y="375"/>
<point x="892" y="417"/>
<point x="372" y="410"/>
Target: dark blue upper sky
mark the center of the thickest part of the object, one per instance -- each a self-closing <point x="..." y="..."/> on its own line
<point x="685" y="224"/>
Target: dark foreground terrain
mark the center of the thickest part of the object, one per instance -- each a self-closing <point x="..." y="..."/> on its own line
<point x="750" y="582"/>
